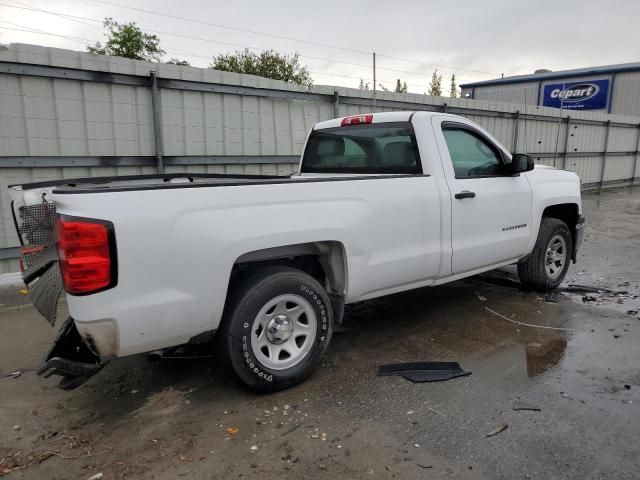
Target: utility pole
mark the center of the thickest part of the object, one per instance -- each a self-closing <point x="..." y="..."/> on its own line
<point x="374" y="81"/>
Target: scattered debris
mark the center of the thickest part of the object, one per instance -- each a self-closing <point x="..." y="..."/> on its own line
<point x="529" y="324"/>
<point x="526" y="406"/>
<point x="627" y="386"/>
<point x="424" y="466"/>
<point x="254" y="448"/>
<point x="552" y="297"/>
<point x="632" y="312"/>
<point x="16" y="428"/>
<point x="24" y="291"/>
<point x="292" y="429"/>
<point x="435" y="411"/>
<point x="589" y="298"/>
<point x="232" y="430"/>
<point x="97" y="476"/>
<point x="424" y="371"/>
<point x="481" y="298"/>
<point x="15" y="374"/>
<point x="497" y="430"/>
<point x="577" y="288"/>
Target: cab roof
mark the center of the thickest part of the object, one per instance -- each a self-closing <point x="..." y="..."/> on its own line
<point x="379" y="117"/>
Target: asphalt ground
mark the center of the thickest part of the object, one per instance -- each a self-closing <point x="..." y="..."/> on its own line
<point x="190" y="419"/>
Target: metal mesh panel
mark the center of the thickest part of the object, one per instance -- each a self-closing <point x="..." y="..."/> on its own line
<point x="45" y="292"/>
<point x="37" y="223"/>
<point x="40" y="257"/>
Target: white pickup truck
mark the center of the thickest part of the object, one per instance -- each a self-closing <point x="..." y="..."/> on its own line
<point x="381" y="203"/>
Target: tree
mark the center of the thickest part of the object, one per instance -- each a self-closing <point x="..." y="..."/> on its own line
<point x="435" y="87"/>
<point x="175" y="61"/>
<point x="268" y="64"/>
<point x="453" y="93"/>
<point x="401" y="87"/>
<point x="363" y="85"/>
<point x="128" y="41"/>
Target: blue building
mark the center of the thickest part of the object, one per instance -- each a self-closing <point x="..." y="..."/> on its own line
<point x="609" y="89"/>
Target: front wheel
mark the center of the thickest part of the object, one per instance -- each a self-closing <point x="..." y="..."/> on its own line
<point x="547" y="265"/>
<point x="277" y="328"/>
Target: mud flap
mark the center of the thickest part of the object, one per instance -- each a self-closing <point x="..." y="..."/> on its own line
<point x="70" y="358"/>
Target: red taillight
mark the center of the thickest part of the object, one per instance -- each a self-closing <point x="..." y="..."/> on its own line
<point x="84" y="252"/>
<point x="357" y="119"/>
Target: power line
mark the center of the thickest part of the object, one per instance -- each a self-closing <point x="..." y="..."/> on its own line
<point x="207" y="40"/>
<point x="436" y="65"/>
<point x="245" y="30"/>
<point x="281" y="37"/>
<point x="81" y="40"/>
<point x="24" y="6"/>
<point x="27" y="29"/>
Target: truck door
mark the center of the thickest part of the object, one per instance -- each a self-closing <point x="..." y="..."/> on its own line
<point x="491" y="210"/>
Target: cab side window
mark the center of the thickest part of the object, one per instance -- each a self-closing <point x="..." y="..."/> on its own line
<point x="471" y="155"/>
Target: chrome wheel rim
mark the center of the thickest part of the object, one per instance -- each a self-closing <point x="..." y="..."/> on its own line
<point x="556" y="256"/>
<point x="283" y="332"/>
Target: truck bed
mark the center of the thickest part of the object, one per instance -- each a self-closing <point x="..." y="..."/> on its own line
<point x="183" y="180"/>
<point x="147" y="181"/>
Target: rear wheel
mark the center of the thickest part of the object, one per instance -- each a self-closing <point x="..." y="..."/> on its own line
<point x="277" y="328"/>
<point x="547" y="265"/>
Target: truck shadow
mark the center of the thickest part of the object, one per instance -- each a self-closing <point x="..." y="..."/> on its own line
<point x="437" y="323"/>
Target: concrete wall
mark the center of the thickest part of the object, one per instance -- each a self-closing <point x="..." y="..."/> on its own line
<point x="66" y="114"/>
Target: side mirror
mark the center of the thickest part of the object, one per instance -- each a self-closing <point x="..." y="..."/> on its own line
<point x="520" y="162"/>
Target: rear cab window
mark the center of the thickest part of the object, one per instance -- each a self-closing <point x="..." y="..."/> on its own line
<point x="387" y="148"/>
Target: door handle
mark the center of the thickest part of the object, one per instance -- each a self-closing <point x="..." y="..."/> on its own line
<point x="465" y="194"/>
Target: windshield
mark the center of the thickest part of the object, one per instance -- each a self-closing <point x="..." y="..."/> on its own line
<point x="372" y="148"/>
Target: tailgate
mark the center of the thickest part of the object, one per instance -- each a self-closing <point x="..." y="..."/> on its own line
<point x="34" y="218"/>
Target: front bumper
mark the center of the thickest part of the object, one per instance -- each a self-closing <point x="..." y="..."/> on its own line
<point x="577" y="242"/>
<point x="71" y="358"/>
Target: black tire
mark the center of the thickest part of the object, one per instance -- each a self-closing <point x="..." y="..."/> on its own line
<point x="256" y="290"/>
<point x="532" y="271"/>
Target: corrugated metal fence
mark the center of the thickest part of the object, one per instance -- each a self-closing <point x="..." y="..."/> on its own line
<point x="70" y="114"/>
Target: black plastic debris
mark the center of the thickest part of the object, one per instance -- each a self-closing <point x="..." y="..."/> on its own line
<point x="526" y="406"/>
<point x="497" y="430"/>
<point x="424" y="371"/>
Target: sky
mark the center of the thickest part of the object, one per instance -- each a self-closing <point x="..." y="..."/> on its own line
<point x="475" y="39"/>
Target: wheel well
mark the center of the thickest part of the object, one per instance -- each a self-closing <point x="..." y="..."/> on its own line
<point x="324" y="261"/>
<point x="568" y="213"/>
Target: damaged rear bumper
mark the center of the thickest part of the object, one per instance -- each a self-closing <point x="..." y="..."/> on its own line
<point x="71" y="358"/>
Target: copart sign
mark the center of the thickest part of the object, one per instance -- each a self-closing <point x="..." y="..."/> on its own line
<point x="584" y="95"/>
